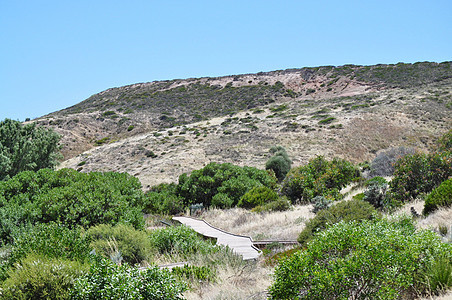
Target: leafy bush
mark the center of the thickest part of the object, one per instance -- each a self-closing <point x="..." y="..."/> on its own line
<point x="134" y="245"/>
<point x="222" y="200"/>
<point x="180" y="240"/>
<point x="233" y="181"/>
<point x="69" y="197"/>
<point x="280" y="162"/>
<point x="320" y="203"/>
<point x="163" y="199"/>
<point x="375" y="193"/>
<point x="383" y="164"/>
<point x="40" y="277"/>
<point x="26" y="147"/>
<point x="379" y="259"/>
<point x="353" y="210"/>
<point x="106" y="280"/>
<point x="48" y="240"/>
<point x="444" y="143"/>
<point x="439" y="197"/>
<point x="318" y="178"/>
<point x="257" y="196"/>
<point x="280" y="204"/>
<point x="194" y="273"/>
<point x="419" y="173"/>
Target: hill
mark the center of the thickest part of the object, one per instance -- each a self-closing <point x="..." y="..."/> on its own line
<point x="158" y="130"/>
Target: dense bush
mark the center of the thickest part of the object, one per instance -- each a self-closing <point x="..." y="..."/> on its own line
<point x="320" y="202"/>
<point x="40" y="277"/>
<point x="369" y="260"/>
<point x="280" y="204"/>
<point x="179" y="240"/>
<point x="163" y="199"/>
<point x="47" y="240"/>
<point x="133" y="245"/>
<point x="280" y="162"/>
<point x="444" y="143"/>
<point x="26" y="147"/>
<point x="375" y="193"/>
<point x="353" y="210"/>
<point x="318" y="178"/>
<point x="106" y="280"/>
<point x="69" y="197"/>
<point x="194" y="273"/>
<point x="439" y="197"/>
<point x="383" y="164"/>
<point x="232" y="181"/>
<point x="257" y="196"/>
<point x="419" y="173"/>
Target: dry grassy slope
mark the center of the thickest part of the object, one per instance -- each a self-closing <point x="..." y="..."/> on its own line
<point x="366" y="121"/>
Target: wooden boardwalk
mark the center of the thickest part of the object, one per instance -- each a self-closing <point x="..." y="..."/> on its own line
<point x="242" y="245"/>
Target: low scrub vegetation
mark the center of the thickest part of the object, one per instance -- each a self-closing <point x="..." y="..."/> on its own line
<point x="372" y="259"/>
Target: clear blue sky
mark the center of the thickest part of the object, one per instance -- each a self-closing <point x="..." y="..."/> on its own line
<point x="54" y="54"/>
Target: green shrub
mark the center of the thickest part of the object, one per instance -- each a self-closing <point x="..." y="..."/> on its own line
<point x="163" y="199"/>
<point x="438" y="276"/>
<point x="375" y="193"/>
<point x="49" y="240"/>
<point x="69" y="197"/>
<point x="130" y="128"/>
<point x="379" y="259"/>
<point x="222" y="200"/>
<point x="419" y="173"/>
<point x="279" y="162"/>
<point x="194" y="273"/>
<point x="257" y="196"/>
<point x="106" y="280"/>
<point x="26" y="148"/>
<point x="444" y="143"/>
<point x="233" y="181"/>
<point x="353" y="210"/>
<point x="179" y="240"/>
<point x="280" y="204"/>
<point x="320" y="202"/>
<point x="318" y="178"/>
<point x="40" y="277"/>
<point x="133" y="245"/>
<point x="439" y="197"/>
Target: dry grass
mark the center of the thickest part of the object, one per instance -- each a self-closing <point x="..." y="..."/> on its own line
<point x="247" y="282"/>
<point x="285" y="225"/>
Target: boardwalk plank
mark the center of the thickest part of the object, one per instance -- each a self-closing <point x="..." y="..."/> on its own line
<point x="242" y="245"/>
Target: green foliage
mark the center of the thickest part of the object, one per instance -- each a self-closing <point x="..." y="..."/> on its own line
<point x="320" y="202"/>
<point x="163" y="199"/>
<point x="232" y="181"/>
<point x="106" y="280"/>
<point x="194" y="273"/>
<point x="40" y="277"/>
<point x="257" y="196"/>
<point x="222" y="200"/>
<point x="445" y="142"/>
<point x="318" y="178"/>
<point x="279" y="162"/>
<point x="353" y="210"/>
<point x="439" y="197"/>
<point x="134" y="245"/>
<point x="26" y="147"/>
<point x="50" y="240"/>
<point x="327" y="120"/>
<point x="419" y="173"/>
<point x="179" y="240"/>
<point x="375" y="193"/>
<point x="379" y="259"/>
<point x="280" y="204"/>
<point x="69" y="197"/>
<point x="438" y="275"/>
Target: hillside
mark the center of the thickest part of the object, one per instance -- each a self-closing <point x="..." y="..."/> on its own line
<point x="158" y="130"/>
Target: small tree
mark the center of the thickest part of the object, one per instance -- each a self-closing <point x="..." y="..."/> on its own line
<point x="279" y="162"/>
<point x="26" y="148"/>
